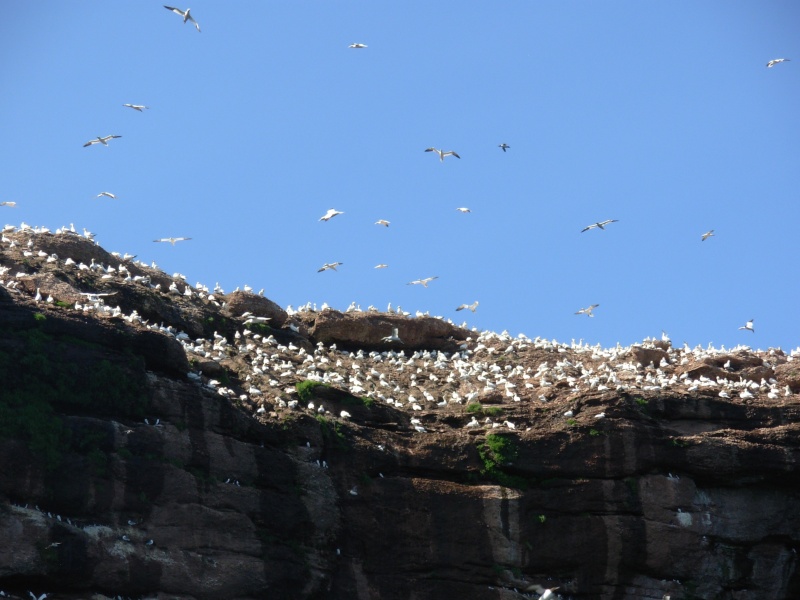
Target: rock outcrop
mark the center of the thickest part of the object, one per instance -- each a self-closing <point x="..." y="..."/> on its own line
<point x="154" y="445"/>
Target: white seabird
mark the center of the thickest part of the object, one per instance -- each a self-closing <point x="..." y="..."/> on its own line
<point x="423" y="282"/>
<point x="472" y="306"/>
<point x="357" y="45"/>
<point x="10" y="204"/>
<point x="776" y="61"/>
<point x="185" y="14"/>
<point x="442" y="153"/>
<point x="101" y="140"/>
<point x="332" y="212"/>
<point x="172" y="240"/>
<point x="600" y="224"/>
<point x="748" y="326"/>
<point x="107" y="195"/>
<point x="463" y="210"/>
<point x="383" y="222"/>
<point x="393" y="338"/>
<point x="587" y="311"/>
<point x="139" y="107"/>
<point x="327" y="266"/>
<point x="706" y="235"/>
<point x="381" y="266"/>
<point x="503" y="146"/>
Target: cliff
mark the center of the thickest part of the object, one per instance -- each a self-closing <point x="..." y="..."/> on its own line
<point x="159" y="443"/>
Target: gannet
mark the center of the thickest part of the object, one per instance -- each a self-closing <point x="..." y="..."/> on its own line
<point x="138" y="107"/>
<point x="600" y="224"/>
<point x="383" y="222"/>
<point x="748" y="326"/>
<point x="172" y="240"/>
<point x="393" y="338"/>
<point x="327" y="266"/>
<point x="503" y="146"/>
<point x="101" y="140"/>
<point x="107" y="195"/>
<point x="8" y="203"/>
<point x="463" y="210"/>
<point x="775" y="61"/>
<point x="587" y="311"/>
<point x="472" y="306"/>
<point x="356" y="45"/>
<point x="442" y="153"/>
<point x="706" y="235"/>
<point x="423" y="282"/>
<point x="332" y="212"/>
<point x="381" y="266"/>
<point x="185" y="14"/>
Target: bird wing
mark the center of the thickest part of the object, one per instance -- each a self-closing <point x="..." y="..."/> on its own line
<point x="177" y="11"/>
<point x="431" y="150"/>
<point x="588" y="227"/>
<point x="90" y="142"/>
<point x="454" y="154"/>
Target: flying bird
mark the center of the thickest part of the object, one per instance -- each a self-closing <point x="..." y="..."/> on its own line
<point x="172" y="240"/>
<point x="327" y="266"/>
<point x="101" y="140"/>
<point x="706" y="235"/>
<point x="139" y="107"/>
<point x="748" y="326"/>
<point x="442" y="153"/>
<point x="185" y="14"/>
<point x="357" y="45"/>
<point x="107" y="195"/>
<point x="600" y="224"/>
<point x="472" y="306"/>
<point x="423" y="282"/>
<point x="503" y="146"/>
<point x="381" y="266"/>
<point x="393" y="338"/>
<point x="332" y="212"/>
<point x="587" y="311"/>
<point x="383" y="222"/>
<point x="463" y="210"/>
<point x="10" y="204"/>
<point x="776" y="61"/>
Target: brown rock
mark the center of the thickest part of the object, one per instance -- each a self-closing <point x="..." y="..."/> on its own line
<point x="242" y="302"/>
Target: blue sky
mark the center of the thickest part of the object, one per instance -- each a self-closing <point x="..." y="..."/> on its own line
<point x="661" y="115"/>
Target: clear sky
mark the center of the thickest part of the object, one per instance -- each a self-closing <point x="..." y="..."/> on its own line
<point x="661" y="115"/>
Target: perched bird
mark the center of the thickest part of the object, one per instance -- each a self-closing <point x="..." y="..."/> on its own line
<point x="172" y="240"/>
<point x="327" y="266"/>
<point x="332" y="212"/>
<point x="504" y="146"/>
<point x="463" y="210"/>
<point x="442" y="153"/>
<point x="423" y="282"/>
<point x="11" y="204"/>
<point x="600" y="224"/>
<point x="472" y="306"/>
<point x="107" y="195"/>
<point x="139" y="107"/>
<point x="587" y="311"/>
<point x="383" y="222"/>
<point x="776" y="61"/>
<point x="101" y="140"/>
<point x="748" y="326"/>
<point x="706" y="235"/>
<point x="393" y="338"/>
<point x="357" y="45"/>
<point x="185" y="14"/>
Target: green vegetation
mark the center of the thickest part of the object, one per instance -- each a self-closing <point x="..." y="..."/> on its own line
<point x="594" y="432"/>
<point x="39" y="317"/>
<point x="488" y="411"/>
<point x="572" y="422"/>
<point x="640" y="401"/>
<point x="62" y="304"/>
<point x="497" y="452"/>
<point x="332" y="432"/>
<point x="305" y="389"/>
<point x="542" y="519"/>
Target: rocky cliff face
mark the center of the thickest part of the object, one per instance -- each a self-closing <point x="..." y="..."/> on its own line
<point x="165" y="443"/>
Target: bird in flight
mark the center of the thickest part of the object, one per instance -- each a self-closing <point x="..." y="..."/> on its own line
<point x="172" y="240"/>
<point x="587" y="311"/>
<point x="423" y="282"/>
<point x="11" y="204"/>
<point x="393" y="338"/>
<point x="706" y="235"/>
<point x="107" y="195"/>
<point x="185" y="14"/>
<point x="776" y="61"/>
<point x="357" y="46"/>
<point x="503" y="146"/>
<point x="748" y="326"/>
<point x="442" y="153"/>
<point x="101" y="140"/>
<point x="381" y="266"/>
<point x="600" y="224"/>
<point x="139" y="107"/>
<point x="332" y="212"/>
<point x="472" y="306"/>
<point x="327" y="266"/>
<point x="383" y="222"/>
<point x="463" y="210"/>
